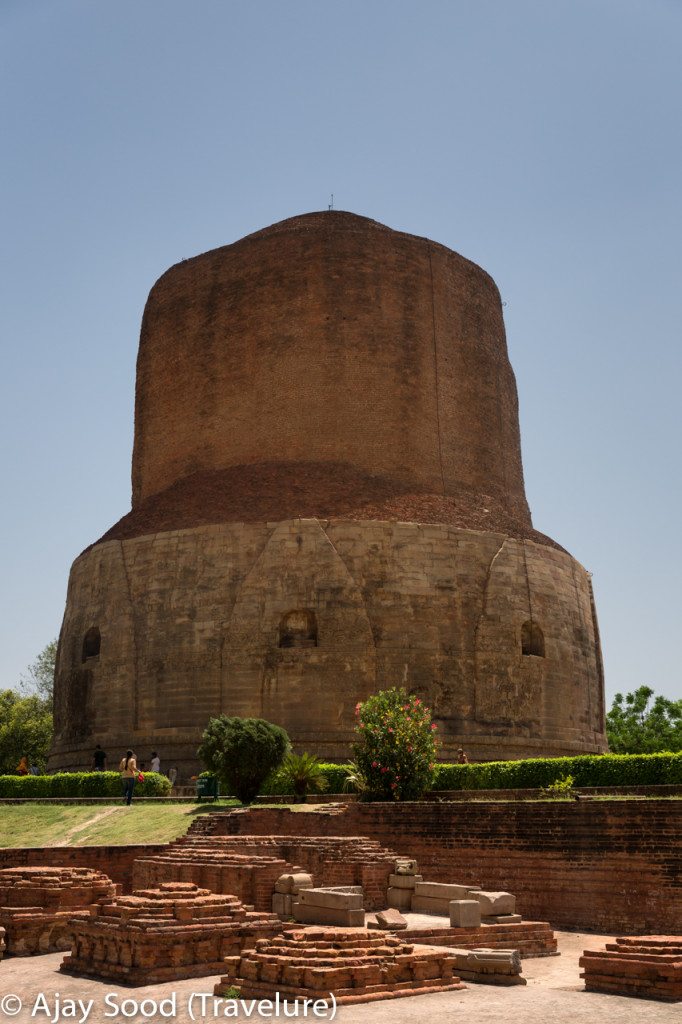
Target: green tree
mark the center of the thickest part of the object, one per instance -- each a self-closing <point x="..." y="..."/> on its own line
<point x="641" y="723"/>
<point x="396" y="748"/>
<point x="242" y="752"/>
<point x="39" y="677"/>
<point x="25" y="730"/>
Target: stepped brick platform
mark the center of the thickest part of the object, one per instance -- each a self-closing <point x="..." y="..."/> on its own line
<point x="251" y="877"/>
<point x="356" y="965"/>
<point x="530" y="938"/>
<point x="175" y="931"/>
<point x="39" y="904"/>
<point x="331" y="860"/>
<point x="648" y="967"/>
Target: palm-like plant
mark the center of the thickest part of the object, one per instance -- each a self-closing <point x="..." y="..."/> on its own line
<point x="355" y="781"/>
<point x="303" y="772"/>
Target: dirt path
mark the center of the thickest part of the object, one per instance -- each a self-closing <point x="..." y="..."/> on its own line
<point x="86" y="824"/>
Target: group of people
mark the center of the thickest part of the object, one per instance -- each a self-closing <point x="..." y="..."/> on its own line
<point x="130" y="771"/>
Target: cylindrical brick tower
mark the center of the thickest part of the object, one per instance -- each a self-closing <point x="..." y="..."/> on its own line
<point x="328" y="500"/>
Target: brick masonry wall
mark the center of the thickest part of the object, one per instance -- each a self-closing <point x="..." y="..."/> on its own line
<point x="329" y="338"/>
<point x="114" y="861"/>
<point x="611" y="866"/>
<point x="437" y="608"/>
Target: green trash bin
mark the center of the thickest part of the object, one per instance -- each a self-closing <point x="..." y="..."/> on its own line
<point x="207" y="787"/>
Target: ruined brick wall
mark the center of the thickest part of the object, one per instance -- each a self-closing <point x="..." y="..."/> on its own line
<point x="114" y="861"/>
<point x="610" y="866"/>
<point x="190" y="620"/>
<point x="329" y="338"/>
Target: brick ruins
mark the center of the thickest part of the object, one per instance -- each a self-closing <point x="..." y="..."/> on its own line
<point x="649" y="967"/>
<point x="356" y="965"/>
<point x="175" y="931"/>
<point x="39" y="905"/>
<point x="331" y="860"/>
<point x="327" y="497"/>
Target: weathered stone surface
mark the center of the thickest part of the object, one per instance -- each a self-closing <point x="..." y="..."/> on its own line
<point x="465" y="913"/>
<point x="495" y="903"/>
<point x="356" y="966"/>
<point x="399" y="899"/>
<point x="488" y="966"/>
<point x="405" y="866"/>
<point x="281" y="904"/>
<point x="442" y="891"/>
<point x="315" y="913"/>
<point x="327" y="496"/>
<point x="39" y="904"/>
<point x="289" y="883"/>
<point x="390" y="919"/>
<point x="347" y="898"/>
<point x="647" y="966"/>
<point x="175" y="931"/>
<point x="404" y="881"/>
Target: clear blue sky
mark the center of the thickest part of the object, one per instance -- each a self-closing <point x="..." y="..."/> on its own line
<point x="540" y="139"/>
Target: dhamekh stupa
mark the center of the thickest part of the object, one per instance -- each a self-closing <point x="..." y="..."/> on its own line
<point x="328" y="500"/>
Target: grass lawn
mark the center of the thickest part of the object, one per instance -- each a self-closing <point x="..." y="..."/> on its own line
<point x="93" y="825"/>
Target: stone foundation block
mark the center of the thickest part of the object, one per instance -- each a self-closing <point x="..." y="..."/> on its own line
<point x="346" y="898"/>
<point x="293" y="883"/>
<point x="405" y="866"/>
<point x="427" y="905"/>
<point x="404" y="881"/>
<point x="444" y="891"/>
<point x="281" y="904"/>
<point x="494" y="903"/>
<point x="313" y="914"/>
<point x="465" y="913"/>
<point x="400" y="899"/>
<point x="390" y="920"/>
<point x="502" y="919"/>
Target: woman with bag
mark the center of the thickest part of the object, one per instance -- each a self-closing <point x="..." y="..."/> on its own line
<point x="128" y="770"/>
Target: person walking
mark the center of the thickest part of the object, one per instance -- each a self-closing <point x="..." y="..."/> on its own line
<point x="156" y="762"/>
<point x="128" y="770"/>
<point x="99" y="760"/>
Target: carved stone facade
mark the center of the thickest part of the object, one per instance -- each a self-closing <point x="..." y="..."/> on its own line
<point x="328" y="500"/>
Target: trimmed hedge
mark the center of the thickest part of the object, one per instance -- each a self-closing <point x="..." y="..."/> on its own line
<point x="79" y="784"/>
<point x="533" y="773"/>
<point x="586" y="769"/>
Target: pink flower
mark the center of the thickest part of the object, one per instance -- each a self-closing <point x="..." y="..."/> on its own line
<point x="389" y="729"/>
<point x="375" y="764"/>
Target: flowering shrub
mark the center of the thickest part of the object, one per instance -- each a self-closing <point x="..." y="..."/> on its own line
<point x="396" y="748"/>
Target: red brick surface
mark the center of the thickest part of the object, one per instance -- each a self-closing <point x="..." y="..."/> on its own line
<point x="329" y="338"/>
<point x="609" y="865"/>
<point x="354" y="964"/>
<point x="114" y="861"/>
<point x="38" y="905"/>
<point x="175" y="931"/>
<point x="648" y="967"/>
